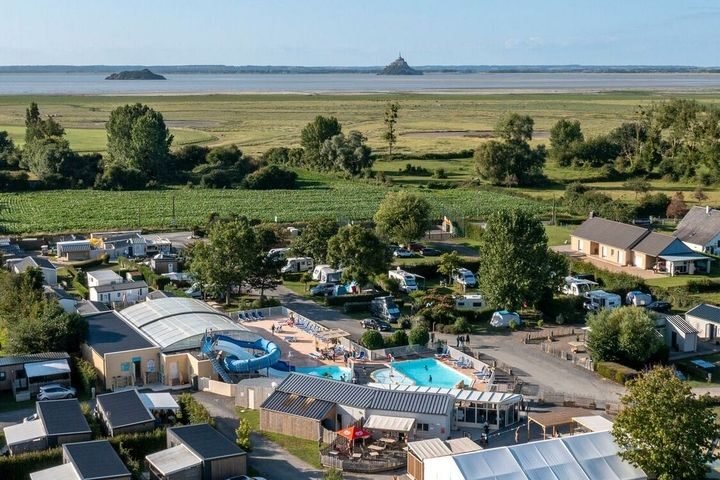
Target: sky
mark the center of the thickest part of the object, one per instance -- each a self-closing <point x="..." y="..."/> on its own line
<point x="360" y="32"/>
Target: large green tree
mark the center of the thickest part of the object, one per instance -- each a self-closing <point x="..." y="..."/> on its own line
<point x="346" y="153"/>
<point x="228" y="258"/>
<point x="313" y="240"/>
<point x="359" y="251"/>
<point x="449" y="262"/>
<point x="665" y="429"/>
<point x="314" y="134"/>
<point x="511" y="161"/>
<point x="516" y="266"/>
<point x="138" y="139"/>
<point x="37" y="128"/>
<point x="625" y="335"/>
<point x="8" y="151"/>
<point x="564" y="136"/>
<point x="402" y="217"/>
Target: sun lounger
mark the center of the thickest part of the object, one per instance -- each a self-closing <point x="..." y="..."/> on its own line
<point x="260" y="315"/>
<point x="361" y="356"/>
<point x="254" y="316"/>
<point x="315" y="355"/>
<point x="290" y="338"/>
<point x="242" y="317"/>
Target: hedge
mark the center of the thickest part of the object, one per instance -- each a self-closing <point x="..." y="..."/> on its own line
<point x="340" y="300"/>
<point x="192" y="411"/>
<point x="616" y="372"/>
<point x="19" y="467"/>
<point x="134" y="447"/>
<point x="351" y="307"/>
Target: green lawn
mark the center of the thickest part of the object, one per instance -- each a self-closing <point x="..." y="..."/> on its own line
<point x="558" y="235"/>
<point x="305" y="450"/>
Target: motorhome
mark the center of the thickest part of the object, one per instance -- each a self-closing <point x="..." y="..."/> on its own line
<point x="469" y="302"/>
<point x="405" y="280"/>
<point x="578" y="286"/>
<point x="297" y="265"/>
<point x="278" y="252"/>
<point x="385" y="308"/>
<point x="465" y="277"/>
<point x="600" y="299"/>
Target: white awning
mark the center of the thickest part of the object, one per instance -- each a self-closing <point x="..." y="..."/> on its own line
<point x="173" y="460"/>
<point x="159" y="401"/>
<point x="594" y="423"/>
<point x="49" y="367"/>
<point x="389" y="424"/>
<point x="62" y="472"/>
<point x="683" y="258"/>
<point x="24" y="432"/>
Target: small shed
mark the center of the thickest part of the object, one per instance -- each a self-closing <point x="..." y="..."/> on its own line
<point x="680" y="336"/>
<point x="124" y="412"/>
<point x="26" y="437"/>
<point x="96" y="460"/>
<point x="164" y="263"/>
<point x="64" y="421"/>
<point x="176" y="463"/>
<point x="220" y="457"/>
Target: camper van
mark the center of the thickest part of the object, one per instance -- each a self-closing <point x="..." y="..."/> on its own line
<point x="326" y="274"/>
<point x="600" y="299"/>
<point x="385" y="308"/>
<point x="297" y="265"/>
<point x="278" y="253"/>
<point x="465" y="277"/>
<point x="638" y="299"/>
<point x="578" y="286"/>
<point x="405" y="280"/>
<point x="469" y="302"/>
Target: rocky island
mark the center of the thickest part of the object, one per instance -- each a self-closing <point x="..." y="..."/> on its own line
<point x="400" y="67"/>
<point x="143" y="74"/>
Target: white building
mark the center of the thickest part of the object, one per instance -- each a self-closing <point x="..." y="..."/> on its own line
<point x="103" y="277"/>
<point x="127" y="293"/>
<point x="705" y="319"/>
<point x="700" y="230"/>
<point x="680" y="335"/>
<point x="49" y="271"/>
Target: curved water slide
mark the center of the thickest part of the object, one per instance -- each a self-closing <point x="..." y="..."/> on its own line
<point x="235" y="354"/>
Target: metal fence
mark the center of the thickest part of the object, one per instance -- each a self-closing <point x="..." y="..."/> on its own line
<point x="583" y="361"/>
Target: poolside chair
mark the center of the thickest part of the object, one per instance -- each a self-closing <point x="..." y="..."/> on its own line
<point x="255" y="316"/>
<point x="242" y="317"/>
<point x="260" y="315"/>
<point x="361" y="356"/>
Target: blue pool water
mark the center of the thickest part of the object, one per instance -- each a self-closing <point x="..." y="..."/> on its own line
<point x="332" y="371"/>
<point x="419" y="372"/>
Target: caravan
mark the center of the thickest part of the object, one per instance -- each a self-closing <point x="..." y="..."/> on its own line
<point x="326" y="274"/>
<point x="465" y="277"/>
<point x="599" y="300"/>
<point x="469" y="302"/>
<point x="405" y="280"/>
<point x="297" y="265"/>
<point x="578" y="286"/>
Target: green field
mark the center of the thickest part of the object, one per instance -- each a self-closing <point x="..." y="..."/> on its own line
<point x="428" y="124"/>
<point x="85" y="210"/>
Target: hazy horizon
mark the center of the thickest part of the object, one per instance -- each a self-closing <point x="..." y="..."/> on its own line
<point x="325" y="33"/>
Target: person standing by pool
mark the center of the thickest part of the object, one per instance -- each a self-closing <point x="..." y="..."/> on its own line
<point x="467" y="338"/>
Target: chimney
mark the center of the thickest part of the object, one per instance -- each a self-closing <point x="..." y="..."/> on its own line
<point x="592" y="214"/>
<point x="707" y="209"/>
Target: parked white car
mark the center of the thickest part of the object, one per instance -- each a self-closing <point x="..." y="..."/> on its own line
<point x="55" y="392"/>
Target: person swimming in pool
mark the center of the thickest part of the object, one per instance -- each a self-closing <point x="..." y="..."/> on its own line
<point x="426" y="368"/>
<point x="430" y="379"/>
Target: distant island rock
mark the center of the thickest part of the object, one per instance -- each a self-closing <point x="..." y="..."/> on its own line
<point x="400" y="67"/>
<point x="143" y="74"/>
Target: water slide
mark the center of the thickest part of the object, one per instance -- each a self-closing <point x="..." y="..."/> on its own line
<point x="235" y="356"/>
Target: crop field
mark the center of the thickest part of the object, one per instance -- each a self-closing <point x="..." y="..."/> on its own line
<point x="86" y="210"/>
<point x="428" y="122"/>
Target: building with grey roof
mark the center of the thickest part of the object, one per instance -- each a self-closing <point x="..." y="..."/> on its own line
<point x="125" y="293"/>
<point x="680" y="335"/>
<point x="48" y="270"/>
<point x="705" y="319"/>
<point x="13" y="368"/>
<point x="219" y="457"/>
<point x="700" y="230"/>
<point x="292" y="409"/>
<point x="630" y="245"/>
<point x="124" y="412"/>
<point x="95" y="460"/>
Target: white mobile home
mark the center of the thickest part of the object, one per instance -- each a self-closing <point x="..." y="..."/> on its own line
<point x="705" y="319"/>
<point x="469" y="302"/>
<point x="298" y="264"/>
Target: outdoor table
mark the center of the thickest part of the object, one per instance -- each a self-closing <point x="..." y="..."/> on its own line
<point x="388" y="440"/>
<point x="333" y="452"/>
<point x="357" y="455"/>
<point x="374" y="454"/>
<point x="376" y="447"/>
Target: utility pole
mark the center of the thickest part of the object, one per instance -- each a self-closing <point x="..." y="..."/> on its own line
<point x="174" y="220"/>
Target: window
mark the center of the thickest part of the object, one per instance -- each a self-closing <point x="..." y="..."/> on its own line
<point x="423" y="427"/>
<point x="3" y="376"/>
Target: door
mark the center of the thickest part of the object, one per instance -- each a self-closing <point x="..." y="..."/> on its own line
<point x="710" y="331"/>
<point x="251" y="399"/>
<point x="673" y="341"/>
<point x="174" y="372"/>
<point x="138" y="372"/>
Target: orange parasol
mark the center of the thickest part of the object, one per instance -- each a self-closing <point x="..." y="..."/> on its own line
<point x="354" y="433"/>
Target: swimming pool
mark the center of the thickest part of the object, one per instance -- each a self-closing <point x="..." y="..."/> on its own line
<point x="425" y="372"/>
<point x="330" y="371"/>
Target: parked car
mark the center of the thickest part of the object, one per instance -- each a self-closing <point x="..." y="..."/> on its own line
<point x="375" y="324"/>
<point x="403" y="253"/>
<point x="660" y="307"/>
<point x="322" y="289"/>
<point x="430" y="252"/>
<point x="55" y="392"/>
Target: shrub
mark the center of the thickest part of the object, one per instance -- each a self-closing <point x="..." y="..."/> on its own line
<point x="419" y="335"/>
<point x="242" y="435"/>
<point x="351" y="307"/>
<point x="616" y="372"/>
<point x="86" y="373"/>
<point x="405" y="322"/>
<point x="398" y="339"/>
<point x="513" y="325"/>
<point x="19" y="467"/>
<point x="461" y="325"/>
<point x="372" y="340"/>
<point x="191" y="411"/>
<point x="271" y="177"/>
<point x="440" y="173"/>
<point x="134" y="447"/>
<point x="333" y="474"/>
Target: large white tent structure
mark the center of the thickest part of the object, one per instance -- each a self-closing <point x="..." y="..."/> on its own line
<point x="590" y="456"/>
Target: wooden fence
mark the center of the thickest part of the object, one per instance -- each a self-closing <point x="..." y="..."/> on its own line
<point x="548" y="333"/>
<point x="581" y="360"/>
